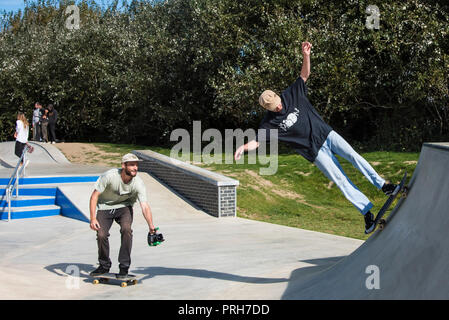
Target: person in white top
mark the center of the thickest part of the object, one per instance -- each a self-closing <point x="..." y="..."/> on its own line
<point x="21" y="134"/>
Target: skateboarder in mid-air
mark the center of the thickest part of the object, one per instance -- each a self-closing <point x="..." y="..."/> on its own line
<point x="300" y="125"/>
<point x="115" y="193"/>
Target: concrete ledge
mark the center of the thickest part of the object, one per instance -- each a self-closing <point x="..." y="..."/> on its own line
<point x="200" y="173"/>
<point x="212" y="192"/>
<point x="437" y="145"/>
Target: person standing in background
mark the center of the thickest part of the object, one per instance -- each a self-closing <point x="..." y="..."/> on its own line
<point x="44" y="125"/>
<point x="52" y="120"/>
<point x="37" y="115"/>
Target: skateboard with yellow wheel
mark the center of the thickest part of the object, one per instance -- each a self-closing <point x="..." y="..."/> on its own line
<point x="130" y="279"/>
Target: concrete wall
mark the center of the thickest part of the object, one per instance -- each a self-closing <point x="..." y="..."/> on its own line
<point x="212" y="192"/>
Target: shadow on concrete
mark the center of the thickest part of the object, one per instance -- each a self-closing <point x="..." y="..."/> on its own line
<point x="5" y="164"/>
<point x="71" y="269"/>
<point x="83" y="270"/>
<point x="152" y="272"/>
<point x="299" y="276"/>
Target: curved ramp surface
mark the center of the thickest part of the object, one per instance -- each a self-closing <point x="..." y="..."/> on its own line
<point x="42" y="154"/>
<point x="409" y="259"/>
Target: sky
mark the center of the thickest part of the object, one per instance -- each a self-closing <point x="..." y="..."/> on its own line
<point x="15" y="5"/>
<point x="11" y="5"/>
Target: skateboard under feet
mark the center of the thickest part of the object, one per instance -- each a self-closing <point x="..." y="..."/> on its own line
<point x="403" y="191"/>
<point x="130" y="279"/>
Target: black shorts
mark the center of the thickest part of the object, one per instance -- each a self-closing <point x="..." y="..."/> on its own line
<point x="19" y="148"/>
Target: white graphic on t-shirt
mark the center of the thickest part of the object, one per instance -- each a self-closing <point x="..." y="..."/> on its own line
<point x="290" y="121"/>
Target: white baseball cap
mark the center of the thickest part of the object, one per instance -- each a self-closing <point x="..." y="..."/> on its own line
<point x="130" y="157"/>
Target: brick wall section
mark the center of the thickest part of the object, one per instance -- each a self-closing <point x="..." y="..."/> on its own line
<point x="228" y="201"/>
<point x="212" y="192"/>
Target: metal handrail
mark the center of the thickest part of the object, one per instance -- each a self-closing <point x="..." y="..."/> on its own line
<point x="14" y="180"/>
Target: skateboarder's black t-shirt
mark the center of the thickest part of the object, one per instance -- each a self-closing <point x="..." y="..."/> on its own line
<point x="298" y="123"/>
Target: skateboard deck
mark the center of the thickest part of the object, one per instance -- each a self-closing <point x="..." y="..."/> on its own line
<point x="130" y="279"/>
<point x="403" y="190"/>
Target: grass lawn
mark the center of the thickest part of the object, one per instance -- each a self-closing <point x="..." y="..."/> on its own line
<point x="299" y="195"/>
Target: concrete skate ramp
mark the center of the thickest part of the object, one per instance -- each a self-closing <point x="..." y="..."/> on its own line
<point x="409" y="259"/>
<point x="42" y="154"/>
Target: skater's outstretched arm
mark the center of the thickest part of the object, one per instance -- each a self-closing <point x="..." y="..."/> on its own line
<point x="305" y="71"/>
<point x="148" y="215"/>
<point x="253" y="144"/>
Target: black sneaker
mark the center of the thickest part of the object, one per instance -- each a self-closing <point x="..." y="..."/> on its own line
<point x="99" y="271"/>
<point x="390" y="189"/>
<point x="122" y="274"/>
<point x="369" y="222"/>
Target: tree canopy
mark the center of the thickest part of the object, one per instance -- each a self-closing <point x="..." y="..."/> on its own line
<point x="136" y="70"/>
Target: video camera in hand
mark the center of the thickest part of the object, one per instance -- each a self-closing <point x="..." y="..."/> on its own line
<point x="155" y="239"/>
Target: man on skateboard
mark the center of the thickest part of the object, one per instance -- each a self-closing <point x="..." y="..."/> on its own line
<point x="299" y="124"/>
<point x="115" y="193"/>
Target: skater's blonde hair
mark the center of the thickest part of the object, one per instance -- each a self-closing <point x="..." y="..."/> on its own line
<point x="21" y="117"/>
<point x="269" y="100"/>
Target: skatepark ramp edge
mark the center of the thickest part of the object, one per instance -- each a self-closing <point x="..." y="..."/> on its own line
<point x="42" y="154"/>
<point x="406" y="260"/>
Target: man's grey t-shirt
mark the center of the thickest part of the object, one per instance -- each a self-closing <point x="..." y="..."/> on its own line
<point x="298" y="123"/>
<point x="37" y="114"/>
<point x="114" y="193"/>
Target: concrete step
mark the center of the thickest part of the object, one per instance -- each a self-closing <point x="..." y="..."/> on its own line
<point x="30" y="196"/>
<point x="28" y="201"/>
<point x="32" y="191"/>
<point x="52" y="180"/>
<point x="30" y="212"/>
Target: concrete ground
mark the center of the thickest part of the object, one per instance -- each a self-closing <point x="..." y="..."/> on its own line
<point x="203" y="257"/>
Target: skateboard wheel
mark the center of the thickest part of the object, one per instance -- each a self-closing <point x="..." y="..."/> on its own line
<point x="134" y="282"/>
<point x="382" y="223"/>
<point x="405" y="192"/>
<point x="123" y="284"/>
<point x="96" y="281"/>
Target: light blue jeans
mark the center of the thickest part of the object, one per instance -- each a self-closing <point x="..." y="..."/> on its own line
<point x="327" y="162"/>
